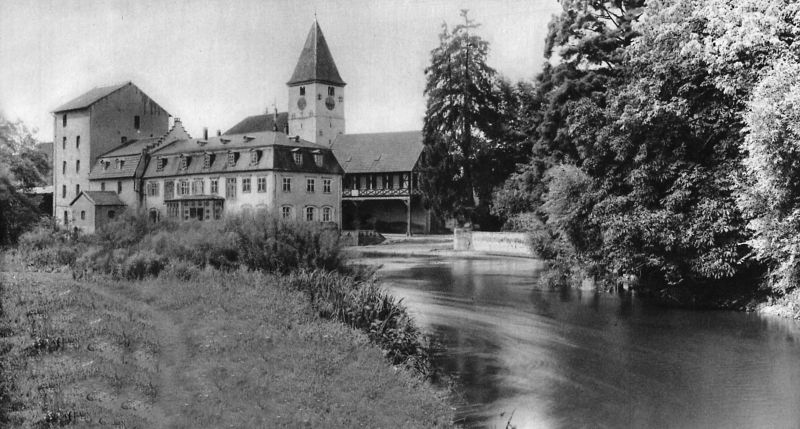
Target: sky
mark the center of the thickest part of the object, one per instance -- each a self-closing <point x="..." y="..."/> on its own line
<point x="214" y="62"/>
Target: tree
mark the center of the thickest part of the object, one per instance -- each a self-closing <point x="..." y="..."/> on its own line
<point x="22" y="167"/>
<point x="461" y="115"/>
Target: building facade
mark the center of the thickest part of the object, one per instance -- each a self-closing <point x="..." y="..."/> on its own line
<point x="298" y="164"/>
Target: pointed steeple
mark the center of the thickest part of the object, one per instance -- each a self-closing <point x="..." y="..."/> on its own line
<point x="316" y="62"/>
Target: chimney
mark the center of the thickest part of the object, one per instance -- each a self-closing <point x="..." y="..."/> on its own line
<point x="205" y="133"/>
<point x="275" y="122"/>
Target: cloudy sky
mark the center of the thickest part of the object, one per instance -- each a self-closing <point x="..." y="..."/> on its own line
<point x="213" y="62"/>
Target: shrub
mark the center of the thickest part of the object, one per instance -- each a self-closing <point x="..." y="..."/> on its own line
<point x="363" y="305"/>
<point x="142" y="264"/>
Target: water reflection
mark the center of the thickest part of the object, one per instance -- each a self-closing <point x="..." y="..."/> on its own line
<point x="582" y="359"/>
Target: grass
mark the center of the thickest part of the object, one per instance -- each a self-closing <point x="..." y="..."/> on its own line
<point x="235" y="349"/>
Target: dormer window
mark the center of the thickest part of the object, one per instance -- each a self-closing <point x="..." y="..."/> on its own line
<point x="160" y="163"/>
<point x="231" y="159"/>
<point x="184" y="162"/>
<point x="318" y="159"/>
<point x="207" y="160"/>
<point x="105" y="165"/>
<point x="331" y="91"/>
<point x="302" y="92"/>
<point x="298" y="158"/>
<point x="253" y="157"/>
<point x="121" y="164"/>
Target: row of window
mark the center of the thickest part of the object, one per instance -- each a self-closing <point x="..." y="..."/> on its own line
<point x="310" y="213"/>
<point x="197" y="186"/>
<point x="78" y="189"/>
<point x="331" y="91"/>
<point x="77" y="142"/>
<point x="232" y="158"/>
<point x="379" y="181"/>
<point x="136" y="119"/>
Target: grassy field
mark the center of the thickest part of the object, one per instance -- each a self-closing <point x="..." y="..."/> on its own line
<point x="223" y="350"/>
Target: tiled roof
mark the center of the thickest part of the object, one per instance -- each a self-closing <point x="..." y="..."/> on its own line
<point x="379" y="152"/>
<point x="101" y="198"/>
<point x="256" y="123"/>
<point x="100" y="171"/>
<point x="131" y="147"/>
<point x="316" y="62"/>
<point x="92" y="96"/>
<point x="276" y="153"/>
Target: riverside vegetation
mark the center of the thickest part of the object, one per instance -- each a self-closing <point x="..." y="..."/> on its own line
<point x="241" y="323"/>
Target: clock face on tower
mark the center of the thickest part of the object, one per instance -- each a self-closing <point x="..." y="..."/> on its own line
<point x="301" y="103"/>
<point x="330" y="103"/>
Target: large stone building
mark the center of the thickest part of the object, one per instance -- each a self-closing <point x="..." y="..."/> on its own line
<point x="114" y="152"/>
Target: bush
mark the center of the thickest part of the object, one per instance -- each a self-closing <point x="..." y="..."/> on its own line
<point x="141" y="265"/>
<point x="363" y="305"/>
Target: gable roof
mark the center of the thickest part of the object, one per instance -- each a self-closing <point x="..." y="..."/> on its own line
<point x="257" y="123"/>
<point x="92" y="96"/>
<point x="130" y="163"/>
<point x="316" y="62"/>
<point x="100" y="198"/>
<point x="378" y="152"/>
<point x="131" y="147"/>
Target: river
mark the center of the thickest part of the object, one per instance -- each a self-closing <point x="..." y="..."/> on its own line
<point x="582" y="359"/>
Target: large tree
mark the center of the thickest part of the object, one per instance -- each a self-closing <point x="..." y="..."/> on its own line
<point x="460" y="120"/>
<point x="22" y="167"/>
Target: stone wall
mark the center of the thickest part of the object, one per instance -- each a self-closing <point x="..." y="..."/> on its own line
<point x="501" y="243"/>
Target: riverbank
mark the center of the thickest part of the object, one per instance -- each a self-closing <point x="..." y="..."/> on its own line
<point x="236" y="349"/>
<point x="441" y="246"/>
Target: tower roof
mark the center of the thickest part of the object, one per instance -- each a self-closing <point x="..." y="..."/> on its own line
<point x="316" y="62"/>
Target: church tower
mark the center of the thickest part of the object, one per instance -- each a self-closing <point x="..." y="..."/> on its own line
<point x="316" y="93"/>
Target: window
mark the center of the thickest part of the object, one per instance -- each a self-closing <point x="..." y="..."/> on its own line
<point x="64" y="167"/>
<point x="404" y="181"/>
<point x="183" y="187"/>
<point x="310" y="214"/>
<point x="136" y="122"/>
<point x="63" y="191"/>
<point x="253" y="157"/>
<point x="318" y="159"/>
<point x="152" y="189"/>
<point x="119" y="186"/>
<point x="63" y="143"/>
<point x="287" y="184"/>
<point x="246" y="185"/>
<point x="66" y="217"/>
<point x="320" y="133"/>
<point x="169" y="189"/>
<point x="326" y="214"/>
<point x="102" y="186"/>
<point x="77" y="190"/>
<point x="230" y="187"/>
<point x="326" y="186"/>
<point x="372" y="182"/>
<point x="387" y="181"/>
<point x="215" y="186"/>
<point x="160" y="163"/>
<point x="310" y="185"/>
<point x="172" y="209"/>
<point x="77" y="142"/>
<point x="64" y="120"/>
<point x="77" y="165"/>
<point x="83" y="214"/>
<point x="105" y="165"/>
<point x="184" y="162"/>
<point x="302" y="90"/>
<point x="286" y="212"/>
<point x="111" y="214"/>
<point x="197" y="187"/>
<point x="231" y="159"/>
<point x="262" y="184"/>
<point x="319" y="96"/>
<point x="331" y="91"/>
<point x="298" y="158"/>
<point x="207" y="160"/>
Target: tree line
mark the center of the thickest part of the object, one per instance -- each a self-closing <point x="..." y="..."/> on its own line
<point x="660" y="142"/>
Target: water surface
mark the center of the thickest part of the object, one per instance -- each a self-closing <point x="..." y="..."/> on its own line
<point x="581" y="359"/>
